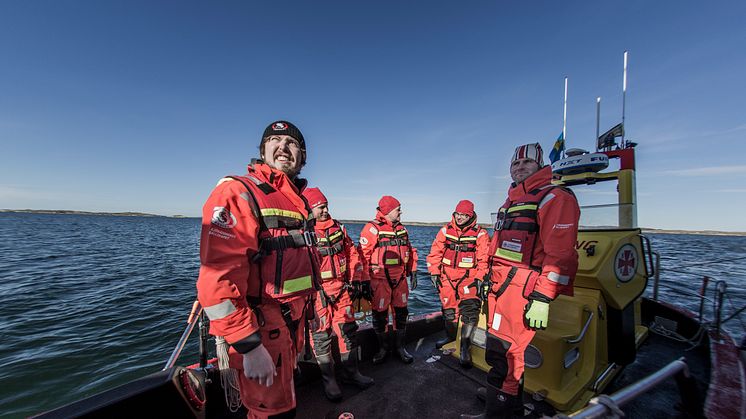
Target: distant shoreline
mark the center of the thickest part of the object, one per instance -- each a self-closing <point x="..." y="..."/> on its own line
<point x="74" y="212"/>
<point x="412" y="223"/>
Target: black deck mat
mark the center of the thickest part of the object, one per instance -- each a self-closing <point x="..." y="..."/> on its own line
<point x="427" y="388"/>
<point x="440" y="388"/>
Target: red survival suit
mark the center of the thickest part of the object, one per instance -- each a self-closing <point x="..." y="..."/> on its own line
<point x="390" y="258"/>
<point x="340" y="261"/>
<point x="533" y="256"/>
<point x="459" y="256"/>
<point x="251" y="226"/>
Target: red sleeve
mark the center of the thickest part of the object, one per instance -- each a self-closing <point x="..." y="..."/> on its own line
<point x="354" y="264"/>
<point x="435" y="258"/>
<point x="483" y="248"/>
<point x="229" y="231"/>
<point x="414" y="258"/>
<point x="368" y="241"/>
<point x="558" y="218"/>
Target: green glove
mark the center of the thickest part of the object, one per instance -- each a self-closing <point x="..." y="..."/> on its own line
<point x="537" y="314"/>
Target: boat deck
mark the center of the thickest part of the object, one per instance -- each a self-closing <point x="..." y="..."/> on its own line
<point x="432" y="386"/>
<point x="435" y="386"/>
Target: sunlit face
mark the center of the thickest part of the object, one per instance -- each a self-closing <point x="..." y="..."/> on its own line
<point x="522" y="169"/>
<point x="283" y="152"/>
<point x="321" y="212"/>
<point x="461" y="218"/>
<point x="395" y="215"/>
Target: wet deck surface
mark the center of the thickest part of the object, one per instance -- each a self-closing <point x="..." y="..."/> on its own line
<point x="427" y="388"/>
<point x="439" y="388"/>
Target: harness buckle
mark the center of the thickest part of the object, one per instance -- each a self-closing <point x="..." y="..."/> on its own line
<point x="285" y="311"/>
<point x="309" y="238"/>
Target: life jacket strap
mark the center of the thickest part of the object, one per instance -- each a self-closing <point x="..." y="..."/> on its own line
<point x="392" y="242"/>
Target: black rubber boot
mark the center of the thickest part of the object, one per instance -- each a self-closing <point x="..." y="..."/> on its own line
<point x="467" y="332"/>
<point x="383" y="346"/>
<point x="400" y="349"/>
<point x="331" y="389"/>
<point x="451" y="328"/>
<point x="351" y="373"/>
<point x="498" y="405"/>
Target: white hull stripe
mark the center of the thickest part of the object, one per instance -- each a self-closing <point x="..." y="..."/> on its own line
<point x="560" y="279"/>
<point x="219" y="311"/>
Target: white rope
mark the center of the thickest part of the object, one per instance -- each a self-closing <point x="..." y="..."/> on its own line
<point x="228" y="376"/>
<point x="694" y="341"/>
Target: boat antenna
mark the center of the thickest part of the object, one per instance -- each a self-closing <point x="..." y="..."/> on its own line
<point x="598" y="119"/>
<point x="564" y="119"/>
<point x="624" y="96"/>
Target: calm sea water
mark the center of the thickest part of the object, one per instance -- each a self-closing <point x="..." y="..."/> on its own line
<point x="91" y="302"/>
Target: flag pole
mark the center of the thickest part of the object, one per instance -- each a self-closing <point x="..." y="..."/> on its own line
<point x="624" y="96"/>
<point x="564" y="118"/>
<point x="598" y="119"/>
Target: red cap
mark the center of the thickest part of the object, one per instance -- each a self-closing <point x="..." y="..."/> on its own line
<point x="387" y="204"/>
<point x="314" y="197"/>
<point x="465" y="207"/>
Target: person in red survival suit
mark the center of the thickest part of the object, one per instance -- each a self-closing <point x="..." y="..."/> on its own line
<point x="390" y="257"/>
<point x="532" y="260"/>
<point x="259" y="269"/>
<point x="340" y="266"/>
<point x="457" y="259"/>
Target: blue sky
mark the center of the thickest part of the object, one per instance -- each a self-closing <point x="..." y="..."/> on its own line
<point x="143" y="106"/>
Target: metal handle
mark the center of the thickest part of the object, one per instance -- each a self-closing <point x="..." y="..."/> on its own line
<point x="657" y="276"/>
<point x="580" y="337"/>
<point x="647" y="256"/>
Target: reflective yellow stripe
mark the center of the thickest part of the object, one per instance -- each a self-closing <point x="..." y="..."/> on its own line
<point x="297" y="284"/>
<point x="342" y="268"/>
<point x="391" y="262"/>
<point x="465" y="265"/>
<point x="509" y="255"/>
<point x="461" y="239"/>
<point x="523" y="207"/>
<point x="386" y="233"/>
<point x="326" y="274"/>
<point x="401" y="232"/>
<point x="268" y="212"/>
<point x="447" y="261"/>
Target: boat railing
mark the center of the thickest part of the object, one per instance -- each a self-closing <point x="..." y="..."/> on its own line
<point x="609" y="405"/>
<point x="195" y="316"/>
<point x="717" y="301"/>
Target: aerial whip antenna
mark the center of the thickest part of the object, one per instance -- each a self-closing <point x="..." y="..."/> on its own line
<point x="564" y="117"/>
<point x="624" y="95"/>
<point x="598" y="119"/>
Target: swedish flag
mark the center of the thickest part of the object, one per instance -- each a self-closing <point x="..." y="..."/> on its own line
<point x="559" y="146"/>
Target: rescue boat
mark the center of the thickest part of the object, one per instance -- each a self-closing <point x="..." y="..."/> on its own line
<point x="608" y="348"/>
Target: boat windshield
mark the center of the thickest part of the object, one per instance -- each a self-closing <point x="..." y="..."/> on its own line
<point x="600" y="207"/>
